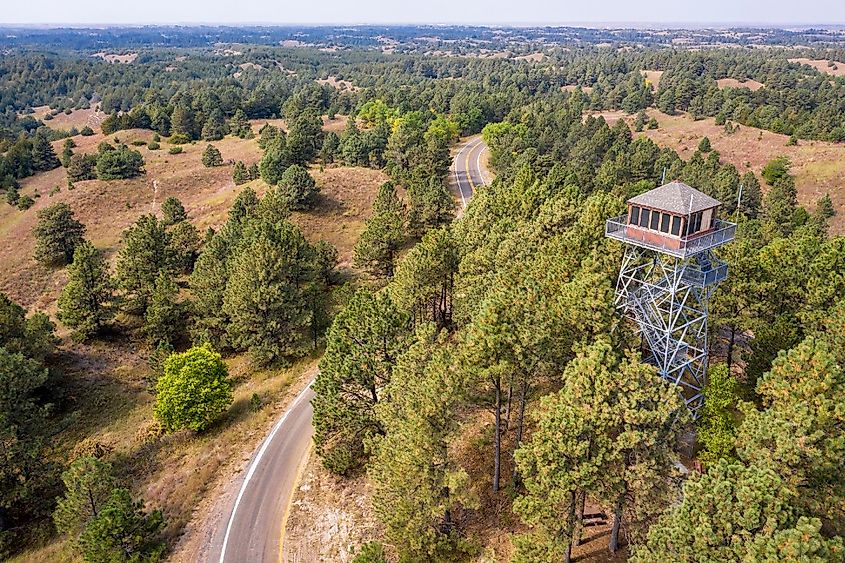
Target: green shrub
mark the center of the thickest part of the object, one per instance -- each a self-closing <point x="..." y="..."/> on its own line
<point x="25" y="202"/>
<point x="194" y="390"/>
<point x="154" y="146"/>
<point x="175" y="150"/>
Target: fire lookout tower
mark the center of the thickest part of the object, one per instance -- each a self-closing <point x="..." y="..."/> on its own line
<point x="667" y="276"/>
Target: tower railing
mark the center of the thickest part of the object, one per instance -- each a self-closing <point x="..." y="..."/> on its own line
<point x="721" y="233"/>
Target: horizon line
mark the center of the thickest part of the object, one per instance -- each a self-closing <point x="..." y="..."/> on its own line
<point x="515" y="24"/>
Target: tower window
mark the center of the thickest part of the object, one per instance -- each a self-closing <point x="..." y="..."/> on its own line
<point x="655" y="220"/>
<point x="644" y="216"/>
<point x="664" y="223"/>
<point x="635" y="215"/>
<point x="676" y="226"/>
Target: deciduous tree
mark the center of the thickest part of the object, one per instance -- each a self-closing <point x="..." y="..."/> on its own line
<point x="194" y="390"/>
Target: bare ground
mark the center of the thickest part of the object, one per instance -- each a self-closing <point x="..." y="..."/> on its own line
<point x="330" y="517"/>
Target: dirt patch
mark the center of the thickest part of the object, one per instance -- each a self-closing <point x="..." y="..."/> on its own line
<point x="330" y="517"/>
<point x="245" y="66"/>
<point x="821" y="65"/>
<point x="338" y="83"/>
<point x="125" y="58"/>
<point x="533" y="57"/>
<point x="574" y="87"/>
<point x="652" y="77"/>
<point x="752" y="85"/>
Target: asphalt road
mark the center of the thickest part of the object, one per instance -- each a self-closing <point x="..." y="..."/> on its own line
<point x="252" y="527"/>
<point x="251" y="530"/>
<point x="467" y="168"/>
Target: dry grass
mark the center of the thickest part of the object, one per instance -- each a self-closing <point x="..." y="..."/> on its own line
<point x="533" y="57"/>
<point x="752" y="85"/>
<point x="821" y="65"/>
<point x="108" y="208"/>
<point x="653" y="78"/>
<point x="573" y="87"/>
<point x="78" y="118"/>
<point x="818" y="166"/>
<point x="116" y="58"/>
<point x="338" y="83"/>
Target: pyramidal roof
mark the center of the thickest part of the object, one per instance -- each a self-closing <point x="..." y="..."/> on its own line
<point x="675" y="197"/>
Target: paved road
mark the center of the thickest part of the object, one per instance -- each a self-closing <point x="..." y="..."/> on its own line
<point x="251" y="529"/>
<point x="467" y="168"/>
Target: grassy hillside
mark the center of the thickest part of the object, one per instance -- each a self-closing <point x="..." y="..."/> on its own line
<point x="108" y="405"/>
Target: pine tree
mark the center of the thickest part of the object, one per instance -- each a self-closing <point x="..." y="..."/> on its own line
<point x="211" y="157"/>
<point x="239" y="125"/>
<point x="780" y="204"/>
<point x="67" y="152"/>
<point x="145" y="253"/>
<point x="362" y="347"/>
<point x="330" y="148"/>
<point x="417" y="484"/>
<point x="43" y="156"/>
<point x="82" y="167"/>
<point x="23" y="429"/>
<point x="86" y="304"/>
<point x="123" y="531"/>
<point x="265" y="297"/>
<point x="240" y="174"/>
<point x="185" y="244"/>
<point x="752" y="197"/>
<point x="305" y="138"/>
<point x="424" y="285"/>
<point x="376" y="249"/>
<point x="431" y="206"/>
<point x="57" y="235"/>
<point x="800" y="434"/>
<point x="254" y="172"/>
<point x="118" y="163"/>
<point x="172" y="212"/>
<point x="88" y="485"/>
<point x="274" y="162"/>
<point x="299" y="188"/>
<point x="182" y="123"/>
<point x="214" y="128"/>
<point x="208" y="284"/>
<point x="737" y="513"/>
<point x="162" y="320"/>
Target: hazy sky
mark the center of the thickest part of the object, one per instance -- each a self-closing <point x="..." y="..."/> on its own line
<point x="422" y="11"/>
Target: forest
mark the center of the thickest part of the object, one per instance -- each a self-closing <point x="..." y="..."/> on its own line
<point x="473" y="368"/>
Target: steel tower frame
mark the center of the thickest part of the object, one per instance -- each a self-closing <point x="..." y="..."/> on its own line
<point x="666" y="293"/>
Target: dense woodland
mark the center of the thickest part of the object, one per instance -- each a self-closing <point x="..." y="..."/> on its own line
<point x="503" y="318"/>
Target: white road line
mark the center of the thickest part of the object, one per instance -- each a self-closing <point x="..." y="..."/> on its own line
<point x="458" y="180"/>
<point x="478" y="165"/>
<point x="255" y="463"/>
